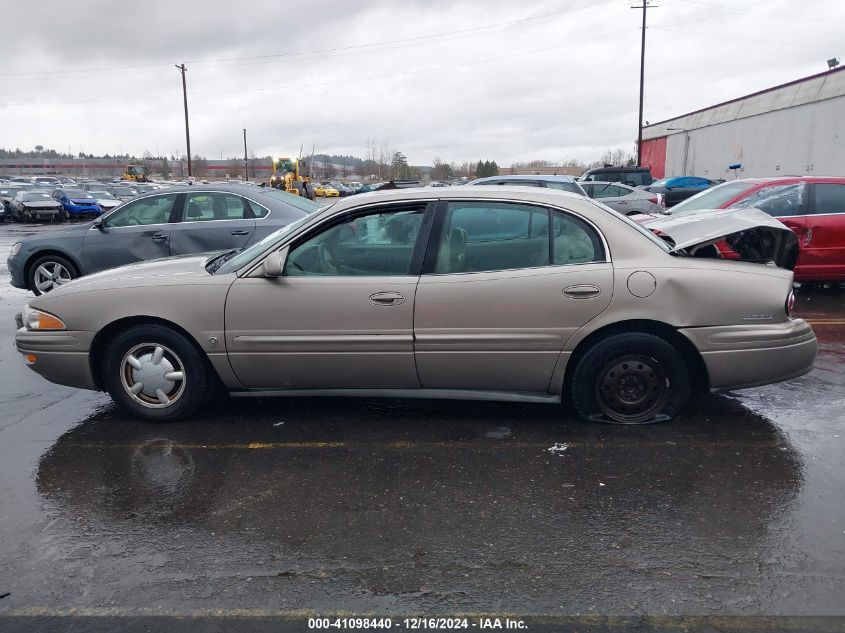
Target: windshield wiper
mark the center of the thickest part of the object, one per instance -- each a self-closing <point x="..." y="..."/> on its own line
<point x="216" y="262"/>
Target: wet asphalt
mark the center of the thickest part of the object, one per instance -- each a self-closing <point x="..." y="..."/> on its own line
<point x="267" y="511"/>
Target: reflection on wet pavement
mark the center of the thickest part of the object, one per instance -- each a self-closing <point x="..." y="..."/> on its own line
<point x="427" y="506"/>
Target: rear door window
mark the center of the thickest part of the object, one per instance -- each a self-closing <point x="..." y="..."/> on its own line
<point x="203" y="207"/>
<point x="828" y="198"/>
<point x="488" y="236"/>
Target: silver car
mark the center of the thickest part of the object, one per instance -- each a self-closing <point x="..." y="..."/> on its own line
<point x="622" y="198"/>
<point x="498" y="293"/>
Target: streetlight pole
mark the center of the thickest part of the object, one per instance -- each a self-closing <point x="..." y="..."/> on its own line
<point x="645" y="6"/>
<point x="246" y="163"/>
<point x="182" y="68"/>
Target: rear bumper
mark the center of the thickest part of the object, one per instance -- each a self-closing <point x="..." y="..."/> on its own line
<point x="741" y="356"/>
<point x="60" y="357"/>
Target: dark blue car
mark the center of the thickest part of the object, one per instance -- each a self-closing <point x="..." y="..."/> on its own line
<point x="76" y="202"/>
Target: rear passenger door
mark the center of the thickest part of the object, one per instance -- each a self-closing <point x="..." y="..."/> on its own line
<point x="500" y="294"/>
<point x="822" y="248"/>
<point x="212" y="221"/>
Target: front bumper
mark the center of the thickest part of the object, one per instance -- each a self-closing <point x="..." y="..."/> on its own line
<point x="741" y="356"/>
<point x="60" y="357"/>
<point x="15" y="266"/>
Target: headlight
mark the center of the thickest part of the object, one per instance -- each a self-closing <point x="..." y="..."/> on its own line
<point x="16" y="248"/>
<point x="38" y="320"/>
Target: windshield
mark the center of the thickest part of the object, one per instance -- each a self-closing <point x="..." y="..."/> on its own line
<point x="32" y="196"/>
<point x="105" y="195"/>
<point x="123" y="191"/>
<point x="247" y="255"/>
<point x="77" y="193"/>
<point x="713" y="198"/>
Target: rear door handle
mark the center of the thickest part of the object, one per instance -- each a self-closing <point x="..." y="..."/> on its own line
<point x="160" y="237"/>
<point x="581" y="291"/>
<point x="387" y="298"/>
<point x="238" y="232"/>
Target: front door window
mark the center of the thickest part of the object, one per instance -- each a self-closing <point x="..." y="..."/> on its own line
<point x="378" y="244"/>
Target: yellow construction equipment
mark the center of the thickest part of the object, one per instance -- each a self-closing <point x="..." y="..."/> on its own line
<point x="136" y="173"/>
<point x="286" y="175"/>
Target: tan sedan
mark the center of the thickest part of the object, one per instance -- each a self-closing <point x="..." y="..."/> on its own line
<point x="504" y="293"/>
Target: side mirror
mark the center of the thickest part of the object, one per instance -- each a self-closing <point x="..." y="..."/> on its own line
<point x="100" y="224"/>
<point x="274" y="264"/>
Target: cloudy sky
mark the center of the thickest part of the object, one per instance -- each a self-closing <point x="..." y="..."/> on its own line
<point x="461" y="80"/>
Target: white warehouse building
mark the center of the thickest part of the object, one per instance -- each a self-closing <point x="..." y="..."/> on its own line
<point x="797" y="128"/>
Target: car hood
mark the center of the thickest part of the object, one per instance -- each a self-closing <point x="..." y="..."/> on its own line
<point x="181" y="270"/>
<point x="83" y="201"/>
<point x="753" y="234"/>
<point x="40" y="204"/>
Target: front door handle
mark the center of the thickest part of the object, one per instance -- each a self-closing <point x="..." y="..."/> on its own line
<point x="582" y="291"/>
<point x="238" y="232"/>
<point x="387" y="298"/>
<point x="160" y="237"/>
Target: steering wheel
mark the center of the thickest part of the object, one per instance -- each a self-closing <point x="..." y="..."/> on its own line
<point x="327" y="260"/>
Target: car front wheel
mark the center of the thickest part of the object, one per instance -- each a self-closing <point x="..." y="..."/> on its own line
<point x="630" y="378"/>
<point x="49" y="272"/>
<point x="155" y="373"/>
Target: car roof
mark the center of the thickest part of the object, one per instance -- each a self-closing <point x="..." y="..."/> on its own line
<point x="526" y="194"/>
<point x="772" y="179"/>
<point x="598" y="170"/>
<point x="550" y="177"/>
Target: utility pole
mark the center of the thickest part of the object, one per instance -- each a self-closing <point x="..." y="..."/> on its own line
<point x="246" y="163"/>
<point x="182" y="68"/>
<point x="645" y="7"/>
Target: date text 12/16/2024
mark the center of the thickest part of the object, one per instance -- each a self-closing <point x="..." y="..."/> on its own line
<point x="363" y="623"/>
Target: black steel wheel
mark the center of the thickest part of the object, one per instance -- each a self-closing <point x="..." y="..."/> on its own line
<point x="630" y="378"/>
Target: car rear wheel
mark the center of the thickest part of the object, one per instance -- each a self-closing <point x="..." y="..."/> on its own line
<point x="49" y="272"/>
<point x="155" y="373"/>
<point x="630" y="378"/>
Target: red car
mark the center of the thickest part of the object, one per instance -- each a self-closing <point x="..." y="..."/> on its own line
<point x="812" y="206"/>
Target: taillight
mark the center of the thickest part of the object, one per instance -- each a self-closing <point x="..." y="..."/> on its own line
<point x="790" y="303"/>
<point x="653" y="200"/>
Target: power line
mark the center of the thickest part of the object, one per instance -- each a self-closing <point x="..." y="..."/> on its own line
<point x="333" y="51"/>
<point x="728" y="37"/>
<point x="355" y="80"/>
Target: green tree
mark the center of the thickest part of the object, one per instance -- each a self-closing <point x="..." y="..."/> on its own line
<point x="494" y="169"/>
<point x="399" y="162"/>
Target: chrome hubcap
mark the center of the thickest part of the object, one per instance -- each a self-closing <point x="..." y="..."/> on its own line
<point x="49" y="275"/>
<point x="632" y="389"/>
<point x="152" y="375"/>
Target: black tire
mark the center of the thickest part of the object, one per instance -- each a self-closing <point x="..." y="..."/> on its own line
<point x="630" y="378"/>
<point x="181" y="355"/>
<point x="49" y="262"/>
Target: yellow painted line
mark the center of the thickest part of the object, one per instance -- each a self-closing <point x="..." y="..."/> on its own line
<point x="825" y="321"/>
<point x="691" y="623"/>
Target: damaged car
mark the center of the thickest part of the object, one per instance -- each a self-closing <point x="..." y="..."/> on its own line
<point x="498" y="293"/>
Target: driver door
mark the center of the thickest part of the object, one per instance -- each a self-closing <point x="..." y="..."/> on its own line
<point x="342" y="314"/>
<point x="136" y="231"/>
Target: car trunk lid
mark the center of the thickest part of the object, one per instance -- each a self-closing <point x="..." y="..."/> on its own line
<point x="752" y="234"/>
